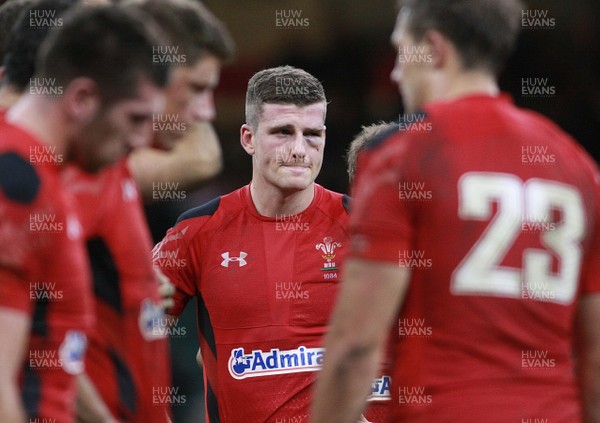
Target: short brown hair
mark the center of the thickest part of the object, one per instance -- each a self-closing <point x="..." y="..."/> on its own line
<point x="9" y="15"/>
<point x="364" y="138"/>
<point x="483" y="31"/>
<point x="112" y="46"/>
<point x="281" y="85"/>
<point x="191" y="27"/>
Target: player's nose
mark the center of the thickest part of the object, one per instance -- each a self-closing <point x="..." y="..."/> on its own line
<point x="396" y="75"/>
<point x="298" y="149"/>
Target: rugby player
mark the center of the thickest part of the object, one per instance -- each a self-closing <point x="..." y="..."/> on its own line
<point x="499" y="321"/>
<point x="96" y="91"/>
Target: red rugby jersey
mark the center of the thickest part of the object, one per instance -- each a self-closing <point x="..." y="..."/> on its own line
<point x="264" y="288"/>
<point x="43" y="272"/>
<point x="495" y="210"/>
<point x="128" y="358"/>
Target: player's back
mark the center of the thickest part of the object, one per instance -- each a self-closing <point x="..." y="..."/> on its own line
<point x="502" y="207"/>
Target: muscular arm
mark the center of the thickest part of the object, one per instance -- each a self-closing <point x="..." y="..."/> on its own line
<point x="195" y="158"/>
<point x="369" y="299"/>
<point x="14" y="333"/>
<point x="588" y="346"/>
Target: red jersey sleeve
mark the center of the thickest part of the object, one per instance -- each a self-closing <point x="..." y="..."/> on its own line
<point x="14" y="291"/>
<point x="18" y="254"/>
<point x="171" y="256"/>
<point x="380" y="222"/>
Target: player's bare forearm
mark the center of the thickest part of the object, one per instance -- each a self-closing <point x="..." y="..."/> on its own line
<point x="369" y="298"/>
<point x="11" y="409"/>
<point x="196" y="157"/>
<point x="165" y="289"/>
<point x="344" y="384"/>
<point x="90" y="406"/>
<point x="588" y="353"/>
<point x="13" y="342"/>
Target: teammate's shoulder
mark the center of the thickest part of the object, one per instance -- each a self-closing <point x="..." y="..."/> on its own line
<point x="400" y="134"/>
<point x="379" y="139"/>
<point x="19" y="180"/>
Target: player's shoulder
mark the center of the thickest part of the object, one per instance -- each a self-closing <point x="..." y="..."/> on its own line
<point x="23" y="170"/>
<point x="189" y="224"/>
<point x="20" y="181"/>
<point x="334" y="204"/>
<point x="381" y="138"/>
<point x="570" y="151"/>
<point x="200" y="213"/>
<point x="219" y="206"/>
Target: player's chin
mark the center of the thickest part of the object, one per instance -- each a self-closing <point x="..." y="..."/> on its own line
<point x="295" y="183"/>
<point x="97" y="162"/>
<point x="168" y="140"/>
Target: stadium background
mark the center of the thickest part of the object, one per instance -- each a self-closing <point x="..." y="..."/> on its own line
<point x="345" y="43"/>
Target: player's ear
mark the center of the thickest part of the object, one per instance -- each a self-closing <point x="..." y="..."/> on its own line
<point x="439" y="48"/>
<point x="82" y="100"/>
<point x="247" y="138"/>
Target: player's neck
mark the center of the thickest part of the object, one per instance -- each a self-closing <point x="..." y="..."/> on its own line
<point x="37" y="116"/>
<point x="462" y="84"/>
<point x="271" y="201"/>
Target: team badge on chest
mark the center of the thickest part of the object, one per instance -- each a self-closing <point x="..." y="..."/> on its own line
<point x="328" y="247"/>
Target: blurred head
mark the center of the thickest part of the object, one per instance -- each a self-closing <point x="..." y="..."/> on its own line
<point x="481" y="33"/>
<point x="98" y="68"/>
<point x="9" y="14"/>
<point x="198" y="45"/>
<point x="27" y="37"/>
<point x="367" y="136"/>
<point x="285" y="128"/>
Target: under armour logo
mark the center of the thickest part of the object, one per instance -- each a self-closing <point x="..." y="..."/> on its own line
<point x="240" y="260"/>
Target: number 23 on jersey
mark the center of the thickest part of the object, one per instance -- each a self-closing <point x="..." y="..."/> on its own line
<point x="519" y="203"/>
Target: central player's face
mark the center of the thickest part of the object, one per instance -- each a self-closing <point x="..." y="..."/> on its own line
<point x="288" y="145"/>
<point x="189" y="95"/>
<point x="409" y="71"/>
<point x="125" y="125"/>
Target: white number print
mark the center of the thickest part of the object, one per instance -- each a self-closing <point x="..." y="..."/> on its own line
<point x="518" y="203"/>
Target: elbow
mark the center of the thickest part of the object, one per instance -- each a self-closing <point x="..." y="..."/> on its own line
<point x="209" y="165"/>
<point x="216" y="166"/>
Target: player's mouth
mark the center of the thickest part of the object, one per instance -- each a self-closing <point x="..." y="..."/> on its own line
<point x="296" y="167"/>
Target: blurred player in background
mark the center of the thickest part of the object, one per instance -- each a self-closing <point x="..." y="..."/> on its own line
<point x="368" y="137"/>
<point x="502" y="209"/>
<point x="19" y="46"/>
<point x="78" y="109"/>
<point x="128" y="355"/>
<point x="9" y="13"/>
<point x="185" y="150"/>
<point x="19" y="67"/>
<point x="379" y="400"/>
<point x="119" y="224"/>
<point x="261" y="261"/>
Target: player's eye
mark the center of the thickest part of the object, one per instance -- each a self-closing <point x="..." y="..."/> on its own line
<point x="138" y="119"/>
